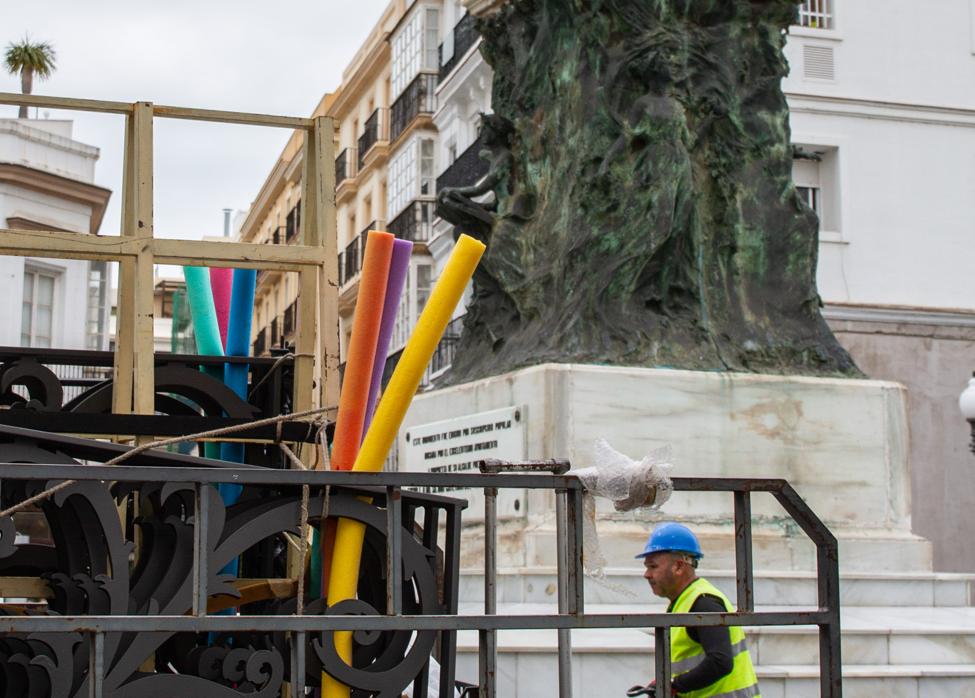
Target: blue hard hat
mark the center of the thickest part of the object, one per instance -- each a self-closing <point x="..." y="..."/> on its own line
<point x="672" y="537"/>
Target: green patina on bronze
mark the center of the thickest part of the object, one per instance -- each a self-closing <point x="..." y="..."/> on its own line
<point x="646" y="213"/>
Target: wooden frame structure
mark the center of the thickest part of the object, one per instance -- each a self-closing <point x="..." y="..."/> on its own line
<point x="137" y="250"/>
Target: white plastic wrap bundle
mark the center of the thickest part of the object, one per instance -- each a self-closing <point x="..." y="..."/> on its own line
<point x="629" y="484"/>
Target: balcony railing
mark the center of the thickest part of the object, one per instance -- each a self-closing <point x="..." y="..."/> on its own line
<point x="350" y="261"/>
<point x="345" y="166"/>
<point x="465" y="171"/>
<point x="290" y="314"/>
<point x="292" y="223"/>
<point x="415" y="222"/>
<point x="816" y="14"/>
<point x="418" y="98"/>
<point x="376" y="130"/>
<point x="260" y="343"/>
<point x="465" y="34"/>
<point x="443" y="357"/>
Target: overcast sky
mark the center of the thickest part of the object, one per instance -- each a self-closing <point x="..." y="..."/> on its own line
<point x="270" y="57"/>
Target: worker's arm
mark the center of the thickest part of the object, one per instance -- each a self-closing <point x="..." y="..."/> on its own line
<point x="716" y="641"/>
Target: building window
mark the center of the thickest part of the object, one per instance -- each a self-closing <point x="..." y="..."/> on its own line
<point x="810" y="197"/>
<point x="427" y="177"/>
<point x="423" y="283"/>
<point x="406" y="54"/>
<point x="431" y="58"/>
<point x="415" y="49"/>
<point x="816" y="174"/>
<point x="37" y="313"/>
<point x="411" y="174"/>
<point x="816" y="14"/>
<point x="97" y="322"/>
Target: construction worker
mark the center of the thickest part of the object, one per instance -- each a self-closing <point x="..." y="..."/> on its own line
<point x="706" y="661"/>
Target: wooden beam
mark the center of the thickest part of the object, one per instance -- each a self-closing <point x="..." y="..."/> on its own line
<point x="232" y="117"/>
<point x="61" y="244"/>
<point x="236" y="254"/>
<point x="93" y="105"/>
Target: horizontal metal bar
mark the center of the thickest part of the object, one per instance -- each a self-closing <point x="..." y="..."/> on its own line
<point x="85" y="357"/>
<point x="267" y="476"/>
<point x="728" y="484"/>
<point x="189" y="624"/>
<point x="348" y="478"/>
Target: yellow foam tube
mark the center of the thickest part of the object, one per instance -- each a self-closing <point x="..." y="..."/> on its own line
<point x="396" y="399"/>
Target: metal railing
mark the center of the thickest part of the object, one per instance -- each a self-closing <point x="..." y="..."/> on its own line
<point x="569" y="541"/>
<point x="443" y="356"/>
<point x="350" y="261"/>
<point x="292" y="223"/>
<point x="816" y="14"/>
<point x="468" y="169"/>
<point x="290" y="313"/>
<point x="418" y="98"/>
<point x="465" y="34"/>
<point x="375" y="130"/>
<point x="415" y="223"/>
<point x="345" y="166"/>
<point x="260" y="342"/>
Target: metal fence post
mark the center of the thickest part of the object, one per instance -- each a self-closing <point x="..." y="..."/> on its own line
<point x="562" y="571"/>
<point x="488" y="639"/>
<point x="394" y="546"/>
<point x="96" y="665"/>
<point x="661" y="659"/>
<point x="200" y="542"/>
<point x="298" y="663"/>
<point x="743" y="551"/>
<point x="577" y="577"/>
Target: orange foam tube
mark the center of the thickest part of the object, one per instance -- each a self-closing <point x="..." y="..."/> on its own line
<point x="361" y="354"/>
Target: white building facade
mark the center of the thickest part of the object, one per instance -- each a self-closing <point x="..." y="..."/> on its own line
<point x="47" y="183"/>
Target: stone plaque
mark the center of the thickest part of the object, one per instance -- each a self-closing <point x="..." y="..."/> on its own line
<point x="457" y="444"/>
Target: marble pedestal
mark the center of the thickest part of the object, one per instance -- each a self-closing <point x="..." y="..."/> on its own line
<point x="841" y="443"/>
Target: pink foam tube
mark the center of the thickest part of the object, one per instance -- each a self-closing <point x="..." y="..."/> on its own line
<point x="399" y="268"/>
<point x="222" y="281"/>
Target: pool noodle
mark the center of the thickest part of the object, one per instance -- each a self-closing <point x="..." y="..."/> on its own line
<point x="206" y="332"/>
<point x="347" y="553"/>
<point x="399" y="268"/>
<point x="350" y="421"/>
<point x="240" y="314"/>
<point x="221" y="282"/>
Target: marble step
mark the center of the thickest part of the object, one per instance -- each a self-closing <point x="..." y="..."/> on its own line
<point x="626" y="585"/>
<point x="862" y="551"/>
<point x="526" y="675"/>
<point x="871" y="636"/>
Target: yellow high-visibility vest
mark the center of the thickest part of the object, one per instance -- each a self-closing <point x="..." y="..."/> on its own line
<point x="685" y="653"/>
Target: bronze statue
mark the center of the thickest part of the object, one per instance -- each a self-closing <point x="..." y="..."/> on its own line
<point x="644" y="210"/>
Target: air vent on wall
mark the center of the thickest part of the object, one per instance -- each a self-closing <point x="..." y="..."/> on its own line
<point x="818" y="62"/>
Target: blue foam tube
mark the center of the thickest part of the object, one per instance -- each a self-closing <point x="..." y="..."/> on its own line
<point x="235" y="375"/>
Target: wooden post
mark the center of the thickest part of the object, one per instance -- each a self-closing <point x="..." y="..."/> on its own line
<point x="144" y="397"/>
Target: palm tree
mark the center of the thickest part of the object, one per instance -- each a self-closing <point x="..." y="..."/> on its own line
<point x="29" y="59"/>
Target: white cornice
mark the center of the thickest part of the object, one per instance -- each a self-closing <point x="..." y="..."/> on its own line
<point x="18" y="127"/>
<point x="900" y="315"/>
<point x="808" y="103"/>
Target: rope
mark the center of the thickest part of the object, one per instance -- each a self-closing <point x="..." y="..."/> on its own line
<point x="270" y="372"/>
<point x="51" y="491"/>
